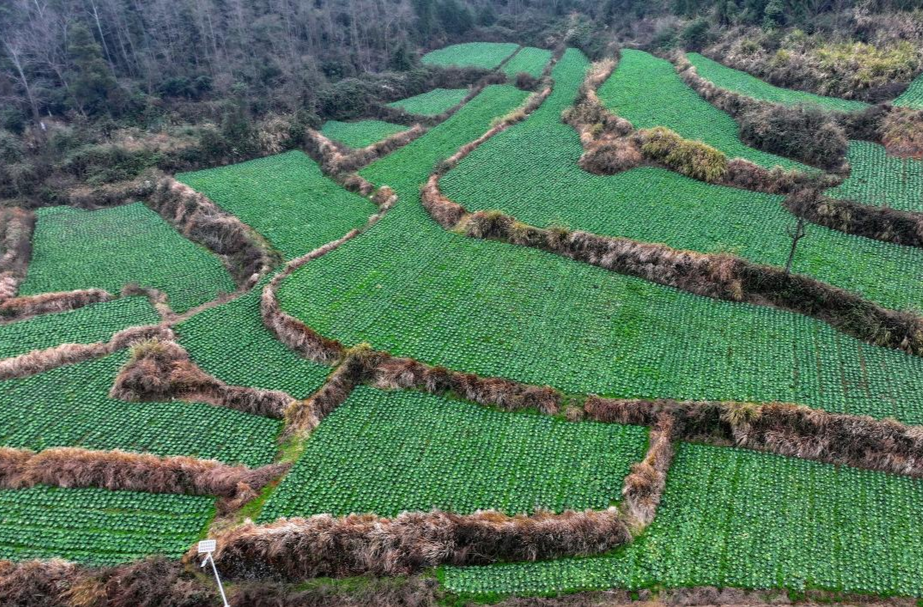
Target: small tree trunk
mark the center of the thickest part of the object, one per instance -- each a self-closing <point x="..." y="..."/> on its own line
<point x="796" y="235"/>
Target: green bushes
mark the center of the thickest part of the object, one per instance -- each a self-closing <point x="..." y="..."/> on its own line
<point x="691" y="158"/>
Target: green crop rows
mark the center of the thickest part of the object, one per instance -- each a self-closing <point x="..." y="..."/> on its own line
<point x="531" y="172"/>
<point x="230" y="342"/>
<point x="98" y="527"/>
<point x="734" y="518"/>
<point x="285" y="198"/>
<point x="84" y="325"/>
<point x="69" y="407"/>
<point x="497" y="309"/>
<point x="387" y="452"/>
<point x="360" y="134"/>
<point x="881" y="180"/>
<point x="530" y="60"/>
<point x="431" y="103"/>
<point x="751" y="86"/>
<point x="75" y="249"/>
<point x="648" y="92"/>
<point x="487" y="55"/>
<point x="913" y="96"/>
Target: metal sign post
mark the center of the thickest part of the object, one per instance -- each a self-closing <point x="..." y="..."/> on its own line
<point x="207" y="547"/>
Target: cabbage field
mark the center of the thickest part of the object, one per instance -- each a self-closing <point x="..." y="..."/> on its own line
<point x="750" y="86"/>
<point x="361" y="133"/>
<point x="913" y="96"/>
<point x="286" y="199"/>
<point x="881" y="180"/>
<point x="647" y="91"/>
<point x="413" y="451"/>
<point x="396" y="436"/>
<point x="486" y="55"/>
<point x="98" y="527"/>
<point x="76" y="249"/>
<point x="431" y="102"/>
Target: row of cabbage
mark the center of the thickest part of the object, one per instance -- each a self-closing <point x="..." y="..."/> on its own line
<point x="387" y="452"/>
<point x="110" y="248"/>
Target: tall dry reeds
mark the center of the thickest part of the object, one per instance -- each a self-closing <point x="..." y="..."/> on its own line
<point x="21" y="308"/>
<point x="39" y="361"/>
<point x="323" y="545"/>
<point x="16" y="227"/>
<point x="161" y="370"/>
<point x="117" y="470"/>
<point x="644" y="485"/>
<point x="198" y="218"/>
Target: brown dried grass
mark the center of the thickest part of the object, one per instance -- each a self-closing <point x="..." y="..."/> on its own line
<point x="21" y="308"/>
<point x="298" y="549"/>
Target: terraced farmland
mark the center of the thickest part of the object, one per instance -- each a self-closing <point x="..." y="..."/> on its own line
<point x="732" y="518"/>
<point x="473" y="418"/>
<point x="412" y="451"/>
<point x="751" y="86"/>
<point x="529" y="60"/>
<point x="69" y="406"/>
<point x="432" y="102"/>
<point x="881" y="180"/>
<point x="648" y="92"/>
<point x="360" y="133"/>
<point x="85" y="325"/>
<point x="297" y="209"/>
<point x="98" y="527"/>
<point x="487" y="55"/>
<point x="75" y="249"/>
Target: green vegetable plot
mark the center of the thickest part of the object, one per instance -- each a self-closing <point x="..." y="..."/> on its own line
<point x="98" y="527"/>
<point x="431" y="103"/>
<point x="881" y="180"/>
<point x="487" y="55"/>
<point x="84" y="326"/>
<point x="69" y="407"/>
<point x="109" y="248"/>
<point x="530" y="171"/>
<point x="751" y="86"/>
<point x="488" y="307"/>
<point x="648" y="92"/>
<point x="387" y="452"/>
<point x="285" y="198"/>
<point x="735" y="518"/>
<point x="360" y="134"/>
<point x="530" y="60"/>
<point x="913" y="96"/>
<point x="230" y="342"/>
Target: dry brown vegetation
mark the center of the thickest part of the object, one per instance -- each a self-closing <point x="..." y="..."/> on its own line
<point x="200" y="220"/>
<point x="21" y="308"/>
<point x="121" y="471"/>
<point x="16" y="227"/>
<point x="161" y="370"/>
<point x="323" y="545"/>
<point x="881" y="223"/>
<point x="38" y="361"/>
<point x="902" y="132"/>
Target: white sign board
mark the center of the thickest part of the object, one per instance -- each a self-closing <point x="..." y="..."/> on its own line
<point x="207" y="546"/>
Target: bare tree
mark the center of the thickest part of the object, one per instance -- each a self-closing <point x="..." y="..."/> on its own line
<point x="795" y="234"/>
